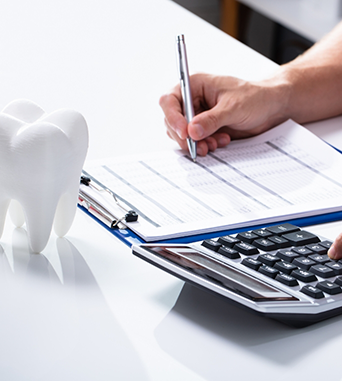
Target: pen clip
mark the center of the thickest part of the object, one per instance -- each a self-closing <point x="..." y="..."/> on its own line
<point x="179" y="55"/>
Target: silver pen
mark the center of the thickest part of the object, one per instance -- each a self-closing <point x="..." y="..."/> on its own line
<point x="186" y="90"/>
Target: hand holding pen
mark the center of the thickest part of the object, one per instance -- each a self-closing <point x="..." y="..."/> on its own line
<point x="225" y="108"/>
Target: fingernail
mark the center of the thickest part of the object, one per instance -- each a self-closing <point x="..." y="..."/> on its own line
<point x="178" y="131"/>
<point x="199" y="130"/>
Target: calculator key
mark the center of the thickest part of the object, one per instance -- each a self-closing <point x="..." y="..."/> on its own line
<point x="280" y="241"/>
<point x="329" y="287"/>
<point x="326" y="244"/>
<point x="312" y="291"/>
<point x="321" y="259"/>
<point x="251" y="263"/>
<point x="287" y="279"/>
<point x="211" y="244"/>
<point x="262" y="233"/>
<point x="248" y="237"/>
<point x="228" y="241"/>
<point x="246" y="248"/>
<point x="285" y="267"/>
<point x="335" y="266"/>
<point x="301" y="238"/>
<point x="317" y="248"/>
<point x="323" y="271"/>
<point x="302" y="250"/>
<point x="304" y="263"/>
<point x="282" y="229"/>
<point x="229" y="252"/>
<point x="268" y="271"/>
<point x="265" y="244"/>
<point x="303" y="275"/>
<point x="268" y="259"/>
<point x="287" y="255"/>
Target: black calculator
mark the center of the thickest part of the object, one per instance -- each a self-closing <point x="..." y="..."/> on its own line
<point x="281" y="271"/>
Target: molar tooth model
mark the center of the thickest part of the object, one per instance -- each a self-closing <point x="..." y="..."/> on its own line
<point x="41" y="159"/>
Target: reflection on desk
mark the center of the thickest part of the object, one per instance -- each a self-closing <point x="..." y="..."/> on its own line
<point x="241" y="341"/>
<point x="65" y="332"/>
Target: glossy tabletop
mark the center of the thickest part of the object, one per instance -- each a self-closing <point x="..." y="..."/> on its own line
<point x="86" y="308"/>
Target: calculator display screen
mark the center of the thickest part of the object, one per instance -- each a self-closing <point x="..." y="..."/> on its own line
<point x="220" y="273"/>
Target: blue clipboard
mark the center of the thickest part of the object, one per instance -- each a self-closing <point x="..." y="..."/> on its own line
<point x="128" y="237"/>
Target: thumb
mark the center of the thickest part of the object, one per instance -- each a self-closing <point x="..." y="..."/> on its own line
<point x="207" y="123"/>
<point x="335" y="251"/>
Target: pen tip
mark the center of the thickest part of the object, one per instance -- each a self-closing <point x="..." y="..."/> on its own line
<point x="194" y="160"/>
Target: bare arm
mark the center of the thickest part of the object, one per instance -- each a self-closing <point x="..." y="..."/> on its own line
<point x="315" y="80"/>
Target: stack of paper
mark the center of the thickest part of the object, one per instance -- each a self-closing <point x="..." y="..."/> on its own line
<point x="282" y="174"/>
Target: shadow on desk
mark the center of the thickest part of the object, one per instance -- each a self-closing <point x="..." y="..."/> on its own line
<point x="55" y="322"/>
<point x="211" y="336"/>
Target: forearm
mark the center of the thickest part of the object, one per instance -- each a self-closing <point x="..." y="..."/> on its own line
<point x="313" y="81"/>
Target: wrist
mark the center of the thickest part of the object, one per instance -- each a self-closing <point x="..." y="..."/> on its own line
<point x="279" y="92"/>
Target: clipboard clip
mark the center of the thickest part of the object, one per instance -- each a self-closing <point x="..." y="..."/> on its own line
<point x="94" y="207"/>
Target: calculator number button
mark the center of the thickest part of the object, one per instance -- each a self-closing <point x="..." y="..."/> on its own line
<point x="329" y="287"/>
<point x="312" y="291"/>
<point x="302" y="250"/>
<point x="265" y="244"/>
<point x="304" y="263"/>
<point x="322" y="271"/>
<point x="228" y="252"/>
<point x="262" y="233"/>
<point x="211" y="244"/>
<point x="228" y="241"/>
<point x="246" y="248"/>
<point x="321" y="259"/>
<point x="287" y="255"/>
<point x="304" y="276"/>
<point x="336" y="267"/>
<point x="268" y="271"/>
<point x="251" y="263"/>
<point x="287" y="279"/>
<point x="285" y="267"/>
<point x="268" y="259"/>
<point x="326" y="244"/>
<point x="280" y="241"/>
<point x="247" y="237"/>
<point x="317" y="248"/>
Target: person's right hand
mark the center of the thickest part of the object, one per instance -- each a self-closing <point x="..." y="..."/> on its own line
<point x="226" y="108"/>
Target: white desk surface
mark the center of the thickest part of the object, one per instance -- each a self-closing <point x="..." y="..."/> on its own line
<point x="86" y="309"/>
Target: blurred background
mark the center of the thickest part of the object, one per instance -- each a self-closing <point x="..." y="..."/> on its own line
<point x="278" y="29"/>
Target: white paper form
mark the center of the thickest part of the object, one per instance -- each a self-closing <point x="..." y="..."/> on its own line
<point x="284" y="173"/>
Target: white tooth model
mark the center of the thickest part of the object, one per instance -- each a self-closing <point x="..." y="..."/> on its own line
<point x="41" y="158"/>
